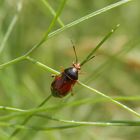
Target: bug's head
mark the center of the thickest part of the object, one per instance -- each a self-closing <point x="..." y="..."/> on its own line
<point x="76" y="65"/>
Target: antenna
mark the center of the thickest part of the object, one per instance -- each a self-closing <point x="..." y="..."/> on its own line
<point x="76" y="58"/>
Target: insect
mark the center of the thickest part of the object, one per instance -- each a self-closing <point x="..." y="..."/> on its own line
<point x="64" y="82"/>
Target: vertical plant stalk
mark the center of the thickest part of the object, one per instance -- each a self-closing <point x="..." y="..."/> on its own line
<point x="45" y="37"/>
<point x="35" y="47"/>
<point x="53" y="12"/>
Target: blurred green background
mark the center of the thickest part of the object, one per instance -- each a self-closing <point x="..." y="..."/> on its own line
<point x="115" y="70"/>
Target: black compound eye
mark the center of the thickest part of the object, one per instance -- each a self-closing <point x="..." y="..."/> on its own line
<point x="72" y="73"/>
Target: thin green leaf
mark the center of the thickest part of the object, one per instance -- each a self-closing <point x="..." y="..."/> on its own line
<point x="99" y="45"/>
<point x="84" y="18"/>
<point x="53" y="12"/>
<point x="45" y="37"/>
<point x="111" y="99"/>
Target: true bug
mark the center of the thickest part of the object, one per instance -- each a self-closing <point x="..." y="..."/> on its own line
<point x="64" y="82"/>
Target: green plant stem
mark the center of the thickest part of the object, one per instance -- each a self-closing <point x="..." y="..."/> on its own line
<point x="48" y="34"/>
<point x="26" y="113"/>
<point x="47" y="109"/>
<point x="11" y="109"/>
<point x="72" y="124"/>
<point x="84" y="18"/>
<point x="44" y="67"/>
<point x="22" y="127"/>
<point x="53" y="12"/>
<point x="99" y="45"/>
<point x="18" y="59"/>
<point x="30" y="116"/>
<point x="111" y="99"/>
<point x="76" y="103"/>
<point x="84" y="61"/>
<point x="45" y="37"/>
<point x="103" y="123"/>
